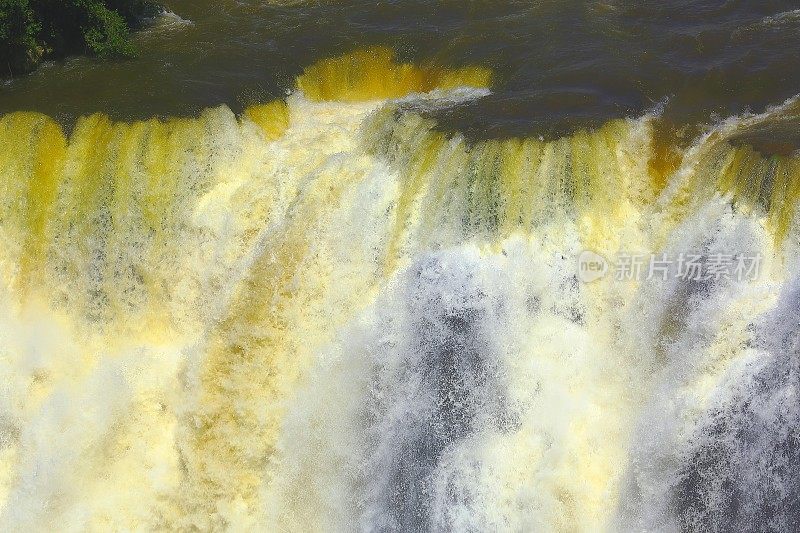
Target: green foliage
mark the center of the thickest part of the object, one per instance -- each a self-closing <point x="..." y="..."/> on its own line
<point x="107" y="32"/>
<point x="34" y="29"/>
<point x="18" y="31"/>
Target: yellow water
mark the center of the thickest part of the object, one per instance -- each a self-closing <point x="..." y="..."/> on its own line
<point x="326" y="315"/>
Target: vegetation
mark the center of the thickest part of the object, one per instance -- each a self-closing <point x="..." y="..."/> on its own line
<point x="33" y="30"/>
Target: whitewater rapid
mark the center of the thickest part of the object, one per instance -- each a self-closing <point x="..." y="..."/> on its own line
<point x="328" y="315"/>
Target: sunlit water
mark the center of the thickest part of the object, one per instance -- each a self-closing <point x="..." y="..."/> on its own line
<point x="561" y="64"/>
<point x="358" y="306"/>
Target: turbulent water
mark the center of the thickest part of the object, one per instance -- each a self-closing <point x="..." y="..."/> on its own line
<point x="331" y="313"/>
<point x="560" y="65"/>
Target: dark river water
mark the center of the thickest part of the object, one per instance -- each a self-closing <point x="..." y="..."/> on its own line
<point x="560" y="65"/>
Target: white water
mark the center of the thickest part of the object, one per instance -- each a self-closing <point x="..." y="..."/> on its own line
<point x="368" y="325"/>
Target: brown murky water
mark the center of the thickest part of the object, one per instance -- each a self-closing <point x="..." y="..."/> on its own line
<point x="561" y="65"/>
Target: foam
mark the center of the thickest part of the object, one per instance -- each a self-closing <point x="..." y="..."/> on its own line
<point x="328" y="315"/>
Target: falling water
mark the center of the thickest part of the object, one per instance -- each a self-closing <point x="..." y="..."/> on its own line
<point x="329" y="314"/>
